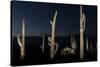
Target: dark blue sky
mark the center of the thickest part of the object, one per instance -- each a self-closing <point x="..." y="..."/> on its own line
<point x="37" y="17"/>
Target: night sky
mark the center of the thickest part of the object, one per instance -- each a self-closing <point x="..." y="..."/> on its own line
<point x="37" y="17"/>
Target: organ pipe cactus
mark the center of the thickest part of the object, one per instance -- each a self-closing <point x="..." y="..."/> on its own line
<point x="53" y="45"/>
<point x="21" y="40"/>
<point x="82" y="29"/>
<point x="43" y="42"/>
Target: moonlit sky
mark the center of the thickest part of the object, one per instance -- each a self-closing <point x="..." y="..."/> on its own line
<point x="37" y="17"/>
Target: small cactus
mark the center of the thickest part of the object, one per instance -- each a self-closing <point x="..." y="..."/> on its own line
<point x="43" y="43"/>
<point x="82" y="29"/>
<point x="52" y="44"/>
<point x="21" y="41"/>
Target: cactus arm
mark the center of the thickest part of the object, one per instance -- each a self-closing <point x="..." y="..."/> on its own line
<point x="49" y="39"/>
<point x="55" y="16"/>
<point x="19" y="41"/>
<point x="84" y="22"/>
<point x="54" y="19"/>
<point x="50" y="22"/>
<point x="56" y="44"/>
<point x="82" y="18"/>
<point x="42" y="47"/>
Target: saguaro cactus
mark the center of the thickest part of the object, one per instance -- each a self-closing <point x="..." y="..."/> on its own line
<point x="82" y="29"/>
<point x="73" y="43"/>
<point x="21" y="41"/>
<point x="87" y="44"/>
<point x="43" y="42"/>
<point x="52" y="44"/>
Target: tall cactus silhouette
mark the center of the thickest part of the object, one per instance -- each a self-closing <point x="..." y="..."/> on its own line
<point x="73" y="43"/>
<point x="52" y="44"/>
<point x="82" y="29"/>
<point x="43" y="43"/>
<point x="21" y="40"/>
<point x="87" y="44"/>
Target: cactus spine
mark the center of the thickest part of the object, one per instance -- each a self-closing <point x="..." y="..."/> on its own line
<point x="52" y="44"/>
<point x="43" y="42"/>
<point x="82" y="29"/>
<point x="21" y="41"/>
